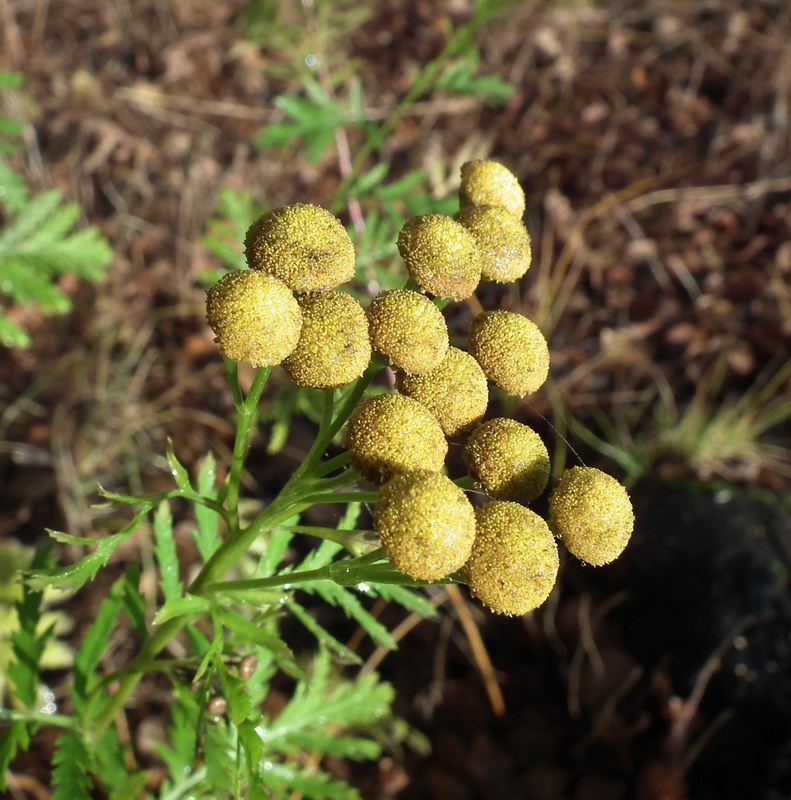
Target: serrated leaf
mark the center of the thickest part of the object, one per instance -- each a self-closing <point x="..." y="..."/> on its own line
<point x="110" y="763"/>
<point x="335" y="595"/>
<point x="179" y="754"/>
<point x="313" y="786"/>
<point x="405" y="597"/>
<point x="72" y="767"/>
<point x="181" y="606"/>
<point x="219" y="754"/>
<point x="206" y="537"/>
<point x="233" y="689"/>
<point x="343" y="653"/>
<point x="13" y="192"/>
<point x="12" y="335"/>
<point x="95" y="643"/>
<point x="74" y="577"/>
<point x="27" y="644"/>
<point x="132" y="599"/>
<point x="249" y="633"/>
<point x="15" y="738"/>
<point x="314" y="705"/>
<point x="177" y="470"/>
<point x="165" y="552"/>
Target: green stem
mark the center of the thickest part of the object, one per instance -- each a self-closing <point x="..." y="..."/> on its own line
<point x="247" y="412"/>
<point x="337" y="462"/>
<point x="421" y="83"/>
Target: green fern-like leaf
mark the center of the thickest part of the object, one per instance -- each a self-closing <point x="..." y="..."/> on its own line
<point x="206" y="534"/>
<point x="75" y="576"/>
<point x="72" y="761"/>
<point x="225" y="232"/>
<point x="165" y="552"/>
<point x="313" y="786"/>
<point x="38" y="245"/>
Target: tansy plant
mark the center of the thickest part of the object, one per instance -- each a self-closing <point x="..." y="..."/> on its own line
<point x="216" y="636"/>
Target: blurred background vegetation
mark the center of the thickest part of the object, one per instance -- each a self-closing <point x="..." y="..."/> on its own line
<point x="139" y="138"/>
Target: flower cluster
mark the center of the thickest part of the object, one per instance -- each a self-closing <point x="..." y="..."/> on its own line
<point x="287" y="309"/>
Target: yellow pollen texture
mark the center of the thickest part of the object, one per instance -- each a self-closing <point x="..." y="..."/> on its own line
<point x="256" y="318"/>
<point x="508" y="459"/>
<point x="389" y="434"/>
<point x="303" y="245"/>
<point x="455" y="392"/>
<point x="333" y="347"/>
<point x="592" y="514"/>
<point x="502" y="239"/>
<point x="408" y="329"/>
<point x="514" y="561"/>
<point x="441" y="255"/>
<point x="426" y="524"/>
<point x="488" y="183"/>
<point x="511" y="350"/>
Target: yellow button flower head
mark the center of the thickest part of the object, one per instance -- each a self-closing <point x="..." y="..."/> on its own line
<point x="333" y="347"/>
<point x="511" y="350"/>
<point x="455" y="392"/>
<point x="426" y="524"/>
<point x="255" y="317"/>
<point x="508" y="459"/>
<point x="409" y="329"/>
<point x="592" y="514"/>
<point x="514" y="561"/>
<point x="390" y="434"/>
<point x="503" y="240"/>
<point x="303" y="245"/>
<point x="441" y="255"/>
<point x="487" y="183"/>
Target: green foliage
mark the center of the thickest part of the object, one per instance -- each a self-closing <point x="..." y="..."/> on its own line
<point x="38" y="243"/>
<point x="71" y="776"/>
<point x="198" y="631"/>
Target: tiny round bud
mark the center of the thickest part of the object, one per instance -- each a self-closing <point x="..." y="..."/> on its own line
<point x="303" y="245"/>
<point x="409" y="329"/>
<point x="217" y="706"/>
<point x="333" y="347"/>
<point x="508" y="459"/>
<point x="247" y="667"/>
<point x="487" y="183"/>
<point x="426" y="524"/>
<point x="441" y="255"/>
<point x="511" y="350"/>
<point x="503" y="241"/>
<point x="455" y="392"/>
<point x="592" y="514"/>
<point x="255" y="317"/>
<point x="514" y="561"/>
<point x="389" y="434"/>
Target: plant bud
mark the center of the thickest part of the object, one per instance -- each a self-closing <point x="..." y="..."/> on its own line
<point x="508" y="459"/>
<point x="592" y="514"/>
<point x="303" y="245"/>
<point x="389" y="434"/>
<point x="514" y="561"/>
<point x="333" y="347"/>
<point x="511" y="350"/>
<point x="455" y="392"/>
<point x="487" y="183"/>
<point x="502" y="239"/>
<point x="441" y="255"/>
<point x="247" y="667"/>
<point x="426" y="524"/>
<point x="408" y="329"/>
<point x="217" y="706"/>
<point x="255" y="317"/>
